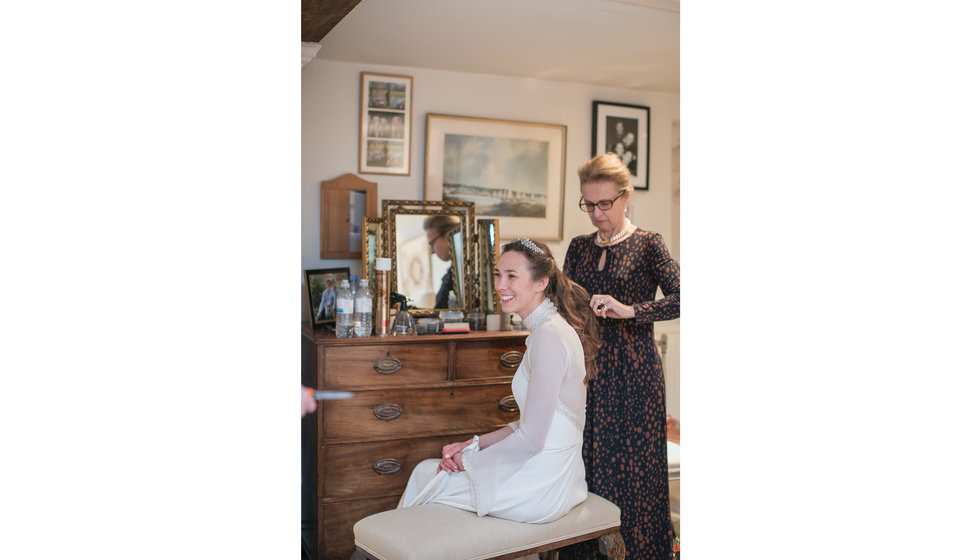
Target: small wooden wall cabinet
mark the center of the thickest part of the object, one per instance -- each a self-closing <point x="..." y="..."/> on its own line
<point x="412" y="395"/>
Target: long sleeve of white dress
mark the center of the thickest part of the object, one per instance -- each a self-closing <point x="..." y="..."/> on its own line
<point x="535" y="474"/>
<point x="549" y="352"/>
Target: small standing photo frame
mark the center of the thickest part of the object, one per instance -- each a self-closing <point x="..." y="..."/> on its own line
<point x="322" y="286"/>
<point x="624" y="130"/>
<point x="386" y="124"/>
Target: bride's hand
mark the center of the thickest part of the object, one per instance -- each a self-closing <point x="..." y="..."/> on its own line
<point x="451" y="460"/>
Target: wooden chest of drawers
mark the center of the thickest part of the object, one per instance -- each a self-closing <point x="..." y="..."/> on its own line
<point x="412" y="395"/>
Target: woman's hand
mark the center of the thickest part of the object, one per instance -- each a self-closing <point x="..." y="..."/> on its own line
<point x="606" y="306"/>
<point x="673" y="429"/>
<point x="452" y="458"/>
<point x="307" y="402"/>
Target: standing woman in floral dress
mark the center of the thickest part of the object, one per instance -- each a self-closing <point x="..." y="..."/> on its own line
<point x="625" y="440"/>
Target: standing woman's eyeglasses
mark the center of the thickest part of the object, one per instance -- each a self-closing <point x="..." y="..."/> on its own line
<point x="602" y="204"/>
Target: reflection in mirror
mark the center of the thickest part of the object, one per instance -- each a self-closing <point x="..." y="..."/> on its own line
<point x="425" y="259"/>
<point x="487" y="253"/>
<point x="358" y="209"/>
<point x="456" y="246"/>
<point x="427" y="241"/>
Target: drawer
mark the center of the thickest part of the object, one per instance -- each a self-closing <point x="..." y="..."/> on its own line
<point x="373" y="470"/>
<point x="390" y="414"/>
<point x="336" y="534"/>
<point x="376" y="365"/>
<point x="488" y="359"/>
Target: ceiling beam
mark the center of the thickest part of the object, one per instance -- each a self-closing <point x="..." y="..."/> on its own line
<point x="320" y="16"/>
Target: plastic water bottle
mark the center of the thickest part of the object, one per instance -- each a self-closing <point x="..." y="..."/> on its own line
<point x="345" y="310"/>
<point x="363" y="308"/>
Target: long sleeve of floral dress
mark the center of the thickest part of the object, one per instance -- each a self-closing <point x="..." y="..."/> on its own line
<point x="667" y="275"/>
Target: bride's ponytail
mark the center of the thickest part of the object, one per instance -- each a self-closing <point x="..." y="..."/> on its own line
<point x="570" y="299"/>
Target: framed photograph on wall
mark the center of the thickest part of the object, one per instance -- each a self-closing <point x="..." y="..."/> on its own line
<point x="321" y="287"/>
<point x="511" y="170"/>
<point x="386" y="124"/>
<point x="624" y="130"/>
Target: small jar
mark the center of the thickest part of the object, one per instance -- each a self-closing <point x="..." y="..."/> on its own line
<point x="428" y="325"/>
<point x="477" y="321"/>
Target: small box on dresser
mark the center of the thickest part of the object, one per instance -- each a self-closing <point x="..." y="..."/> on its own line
<point x="412" y="395"/>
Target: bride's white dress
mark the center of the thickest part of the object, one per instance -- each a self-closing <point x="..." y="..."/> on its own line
<point x="536" y="474"/>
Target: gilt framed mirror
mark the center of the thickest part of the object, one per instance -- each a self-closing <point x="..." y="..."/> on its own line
<point x="431" y="250"/>
<point x="487" y="253"/>
<point x="372" y="244"/>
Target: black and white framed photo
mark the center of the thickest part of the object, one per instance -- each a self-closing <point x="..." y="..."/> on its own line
<point x="386" y="124"/>
<point x="624" y="130"/>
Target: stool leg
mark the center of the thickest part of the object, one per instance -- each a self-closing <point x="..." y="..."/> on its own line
<point x="611" y="545"/>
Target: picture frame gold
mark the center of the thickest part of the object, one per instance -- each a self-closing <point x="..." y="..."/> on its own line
<point x="372" y="247"/>
<point x="394" y="211"/>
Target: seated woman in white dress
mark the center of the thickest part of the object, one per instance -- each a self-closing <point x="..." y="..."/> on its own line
<point x="530" y="470"/>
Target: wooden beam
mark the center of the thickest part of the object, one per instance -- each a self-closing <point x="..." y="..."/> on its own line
<point x="320" y="16"/>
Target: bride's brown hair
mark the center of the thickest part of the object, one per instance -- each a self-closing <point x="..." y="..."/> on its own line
<point x="571" y="300"/>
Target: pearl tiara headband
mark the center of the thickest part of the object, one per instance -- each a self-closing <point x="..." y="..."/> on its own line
<point x="529" y="244"/>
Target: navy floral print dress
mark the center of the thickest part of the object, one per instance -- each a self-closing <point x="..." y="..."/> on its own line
<point x="625" y="440"/>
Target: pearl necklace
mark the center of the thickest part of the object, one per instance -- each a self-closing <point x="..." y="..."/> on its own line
<point x="619" y="235"/>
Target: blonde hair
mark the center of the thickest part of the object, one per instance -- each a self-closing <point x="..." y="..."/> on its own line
<point x="606" y="167"/>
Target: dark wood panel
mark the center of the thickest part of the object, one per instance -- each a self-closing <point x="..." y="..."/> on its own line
<point x="424" y="413"/>
<point x="336" y="535"/>
<point x="353" y="367"/>
<point x="326" y="338"/>
<point x="320" y="16"/>
<point x="340" y="484"/>
<point x="347" y="472"/>
<point x="480" y="359"/>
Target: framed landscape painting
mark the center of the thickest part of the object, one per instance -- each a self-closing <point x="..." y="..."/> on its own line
<point x="511" y="170"/>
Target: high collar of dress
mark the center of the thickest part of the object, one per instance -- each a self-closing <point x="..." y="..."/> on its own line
<point x="540" y="315"/>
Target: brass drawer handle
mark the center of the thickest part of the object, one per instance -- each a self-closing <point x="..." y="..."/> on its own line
<point x="387" y="365"/>
<point x="511" y="359"/>
<point x="508" y="404"/>
<point x="387" y="466"/>
<point x="387" y="412"/>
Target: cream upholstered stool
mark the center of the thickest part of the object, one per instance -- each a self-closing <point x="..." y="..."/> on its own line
<point x="440" y="532"/>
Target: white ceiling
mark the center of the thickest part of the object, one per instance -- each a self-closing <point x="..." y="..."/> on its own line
<point x="633" y="44"/>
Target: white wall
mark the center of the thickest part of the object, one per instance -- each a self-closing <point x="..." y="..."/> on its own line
<point x="331" y="104"/>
